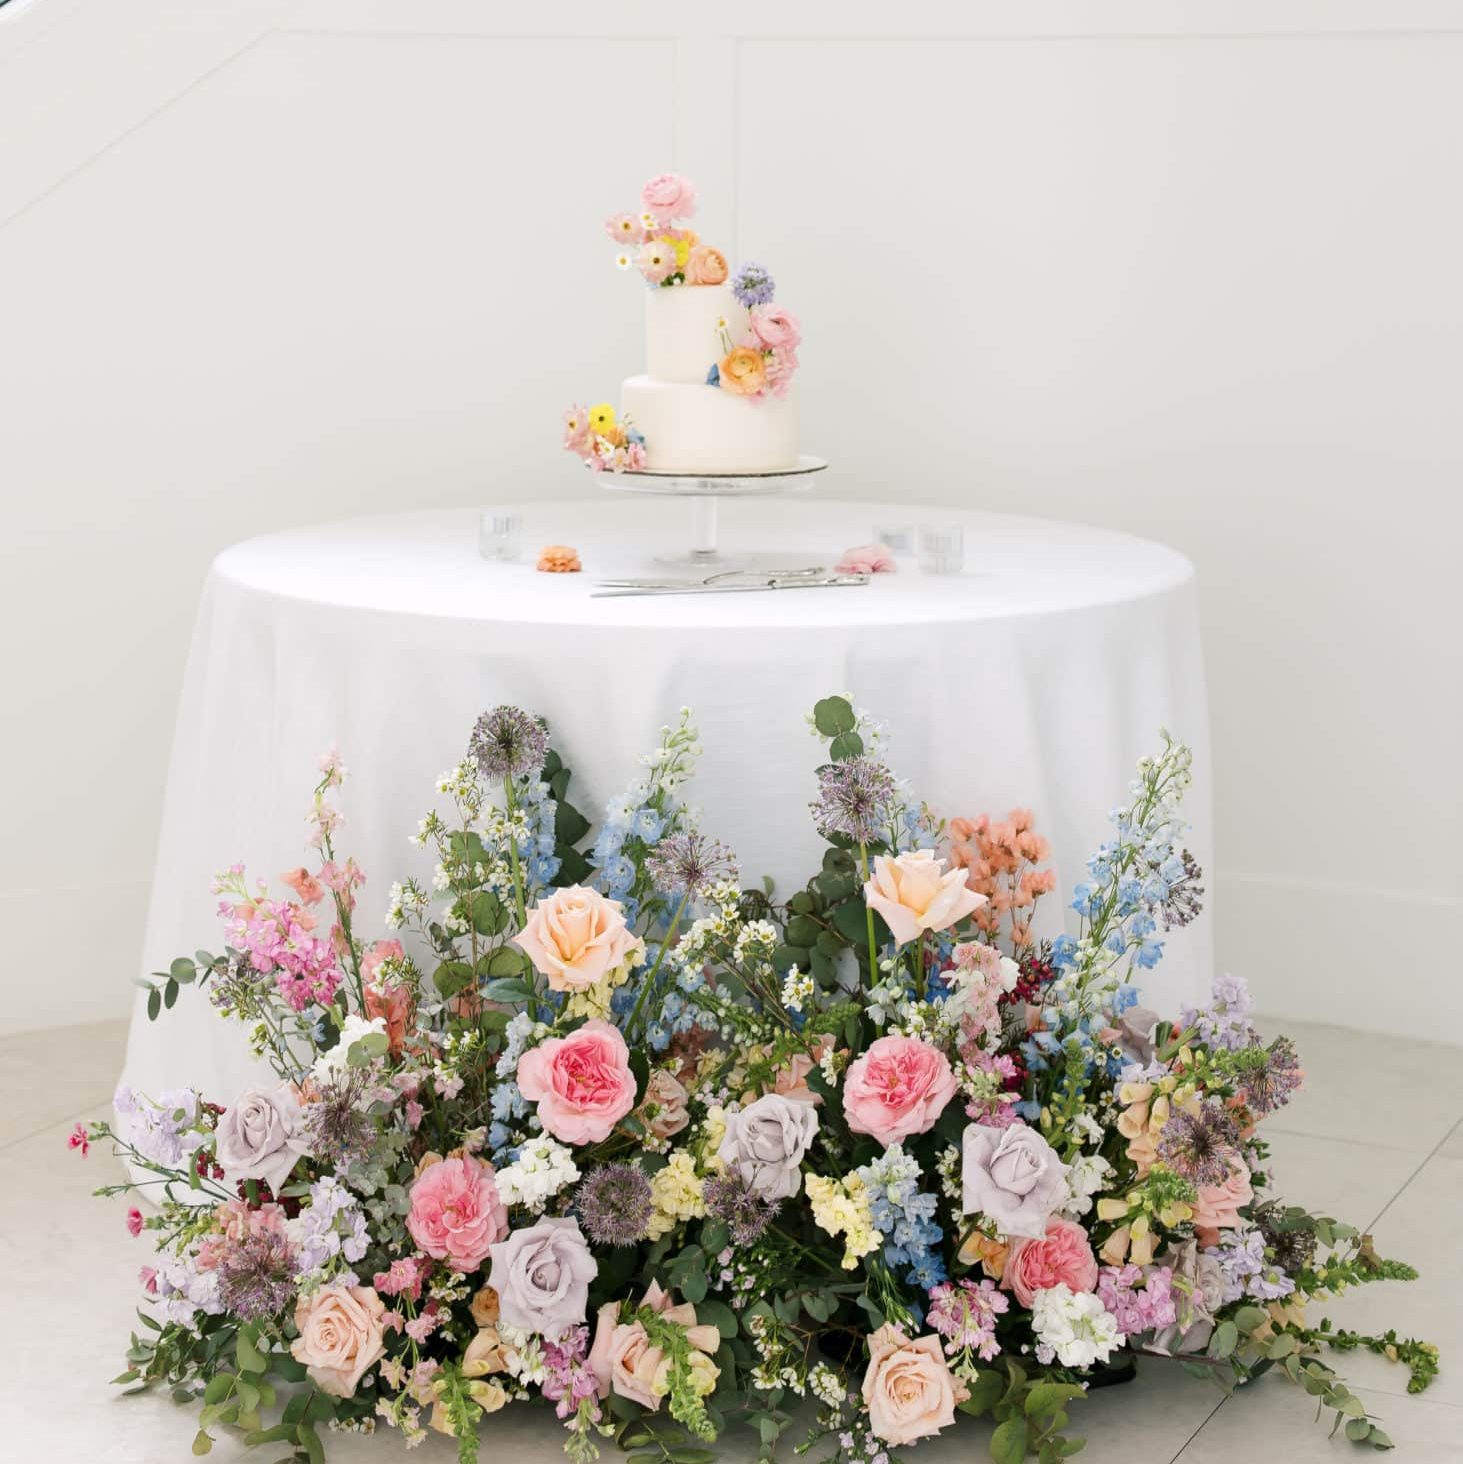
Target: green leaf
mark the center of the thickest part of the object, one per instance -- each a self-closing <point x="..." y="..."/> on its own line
<point x="251" y="1360"/>
<point x="154" y="1004"/>
<point x="314" y="1449"/>
<point x="364" y="1049"/>
<point x="1046" y="1399"/>
<point x="833" y="715"/>
<point x="845" y="746"/>
<point x="170" y="993"/>
<point x="201" y="1443"/>
<point x="1008" y="1443"/>
<point x="569" y="824"/>
<point x="818" y="1306"/>
<point x="1225" y="1340"/>
<point x="987" y="1387"/>
<point x="220" y="1385"/>
<point x="451" y="977"/>
<point x="487" y="914"/>
<point x="1282" y="1345"/>
<point x="717" y="1314"/>
<point x="1247" y="1318"/>
<point x="693" y="1287"/>
<point x="850" y="921"/>
<point x="505" y="961"/>
<point x="182" y="970"/>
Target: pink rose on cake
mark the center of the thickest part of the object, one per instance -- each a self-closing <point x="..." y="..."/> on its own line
<point x="582" y="1083"/>
<point x="669" y="196"/>
<point x="776" y="328"/>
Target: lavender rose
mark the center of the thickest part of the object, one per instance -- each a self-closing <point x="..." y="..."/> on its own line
<point x="261" y="1136"/>
<point x="542" y="1276"/>
<point x="1014" y="1176"/>
<point x="765" y="1142"/>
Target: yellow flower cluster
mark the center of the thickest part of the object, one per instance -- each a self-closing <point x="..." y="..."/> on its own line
<point x="677" y="1194"/>
<point x="841" y="1207"/>
<point x="594" y="1001"/>
<point x="1146" y="1108"/>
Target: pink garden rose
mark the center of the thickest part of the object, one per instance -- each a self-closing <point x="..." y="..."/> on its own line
<point x="582" y="1083"/>
<point x="776" y="328"/>
<point x="576" y="937"/>
<point x="915" y="893"/>
<point x="908" y="1389"/>
<point x="1062" y="1257"/>
<point x="340" y="1336"/>
<point x="898" y="1087"/>
<point x="867" y="559"/>
<point x="669" y="196"/>
<point x="1218" y="1205"/>
<point x="456" y="1213"/>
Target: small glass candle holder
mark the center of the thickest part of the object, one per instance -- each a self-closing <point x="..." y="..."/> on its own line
<point x="941" y="548"/>
<point x="897" y="538"/>
<point x="500" y="536"/>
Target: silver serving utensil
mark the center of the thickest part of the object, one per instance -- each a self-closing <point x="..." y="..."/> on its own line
<point x="768" y="582"/>
<point x="725" y="576"/>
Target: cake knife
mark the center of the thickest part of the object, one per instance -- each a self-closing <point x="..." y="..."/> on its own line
<point x="711" y="581"/>
<point x="701" y="587"/>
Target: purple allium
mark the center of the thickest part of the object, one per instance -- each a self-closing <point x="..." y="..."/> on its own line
<point x="337" y="1126"/>
<point x="507" y="743"/>
<point x="614" y="1204"/>
<point x="690" y="863"/>
<point x="1185" y="896"/>
<point x="745" y="1215"/>
<point x="855" y="799"/>
<point x="965" y="1313"/>
<point x="1138" y="1300"/>
<point x="1269" y="1084"/>
<point x="1199" y="1145"/>
<point x="752" y="285"/>
<point x="256" y="1274"/>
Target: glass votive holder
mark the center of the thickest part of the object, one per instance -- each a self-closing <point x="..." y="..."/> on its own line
<point x="500" y="535"/>
<point x="941" y="548"/>
<point x="897" y="538"/>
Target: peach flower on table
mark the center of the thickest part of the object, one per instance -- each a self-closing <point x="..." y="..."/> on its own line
<point x="908" y="1388"/>
<point x="899" y="1087"/>
<point x="1061" y="1257"/>
<point x="581" y="1083"/>
<point x="915" y="893"/>
<point x="705" y="266"/>
<point x="341" y="1336"/>
<point x="867" y="559"/>
<point x="576" y="937"/>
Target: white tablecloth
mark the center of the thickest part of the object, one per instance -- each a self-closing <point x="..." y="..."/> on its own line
<point x="1036" y="678"/>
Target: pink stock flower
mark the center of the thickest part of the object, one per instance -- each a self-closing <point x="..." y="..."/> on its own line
<point x="79" y="1139"/>
<point x="308" y="890"/>
<point x="582" y="1083"/>
<point x="1061" y="1257"/>
<point x="134" y="1221"/>
<point x="456" y="1212"/>
<point x="899" y="1087"/>
<point x="343" y="880"/>
<point x="404" y="1278"/>
<point x="867" y="559"/>
<point x="669" y="196"/>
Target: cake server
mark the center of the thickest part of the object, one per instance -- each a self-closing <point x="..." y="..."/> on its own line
<point x="711" y="581"/>
<point x="769" y="582"/>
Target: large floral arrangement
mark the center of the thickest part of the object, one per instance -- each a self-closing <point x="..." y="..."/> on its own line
<point x="599" y="1127"/>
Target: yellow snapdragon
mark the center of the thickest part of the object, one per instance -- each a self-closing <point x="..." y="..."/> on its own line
<point x="678" y="1194"/>
<point x="841" y="1207"/>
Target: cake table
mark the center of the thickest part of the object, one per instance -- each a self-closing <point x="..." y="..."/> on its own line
<point x="1035" y="678"/>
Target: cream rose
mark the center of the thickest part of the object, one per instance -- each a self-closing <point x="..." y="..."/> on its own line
<point x="915" y="893"/>
<point x="340" y="1336"/>
<point x="909" y="1391"/>
<point x="576" y="937"/>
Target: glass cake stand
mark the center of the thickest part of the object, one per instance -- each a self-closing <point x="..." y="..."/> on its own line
<point x="704" y="489"/>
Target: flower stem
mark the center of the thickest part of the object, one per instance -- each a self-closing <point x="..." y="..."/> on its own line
<point x="863" y="855"/>
<point x="650" y="975"/>
<point x="513" y="855"/>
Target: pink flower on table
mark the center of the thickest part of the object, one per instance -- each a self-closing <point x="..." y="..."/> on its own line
<point x="656" y="261"/>
<point x="343" y="880"/>
<point x="915" y="893"/>
<point x="78" y="1138"/>
<point x="308" y="890"/>
<point x="582" y="1083"/>
<point x="625" y="228"/>
<point x="634" y="457"/>
<point x="134" y="1221"/>
<point x="576" y="937"/>
<point x="867" y="559"/>
<point x="669" y="196"/>
<point x="1061" y="1257"/>
<point x="776" y="328"/>
<point x="378" y="951"/>
<point x="1218" y="1206"/>
<point x="899" y="1087"/>
<point x="456" y="1213"/>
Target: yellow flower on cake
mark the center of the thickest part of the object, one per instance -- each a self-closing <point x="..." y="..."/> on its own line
<point x="602" y="418"/>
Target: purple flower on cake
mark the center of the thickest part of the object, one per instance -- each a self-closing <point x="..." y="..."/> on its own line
<point x="752" y="285"/>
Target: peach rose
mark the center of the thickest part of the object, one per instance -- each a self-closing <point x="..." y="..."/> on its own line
<point x="667" y="1093"/>
<point x="485" y="1306"/>
<point x="705" y="266"/>
<point x="624" y="1361"/>
<point x="915" y="893"/>
<point x="582" y="1083"/>
<point x="1218" y="1205"/>
<point x="1062" y="1257"/>
<point x="576" y="937"/>
<point x="743" y="372"/>
<point x="791" y="1079"/>
<point x="899" y="1087"/>
<point x="909" y="1391"/>
<point x="340" y="1336"/>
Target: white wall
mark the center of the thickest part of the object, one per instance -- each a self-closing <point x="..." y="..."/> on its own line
<point x="1191" y="271"/>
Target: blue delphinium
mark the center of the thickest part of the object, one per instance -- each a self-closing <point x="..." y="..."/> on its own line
<point x="905" y="1216"/>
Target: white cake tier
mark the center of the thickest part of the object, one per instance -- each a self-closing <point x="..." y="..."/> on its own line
<point x="681" y="336"/>
<point x="703" y="429"/>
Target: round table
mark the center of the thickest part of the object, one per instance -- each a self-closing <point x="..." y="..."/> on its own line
<point x="1036" y="679"/>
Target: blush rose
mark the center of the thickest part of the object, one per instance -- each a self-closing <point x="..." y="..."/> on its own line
<point x="456" y="1213"/>
<point x="899" y="1087"/>
<point x="576" y="937"/>
<point x="582" y="1083"/>
<point x="1218" y="1205"/>
<point x="914" y="892"/>
<point x="340" y="1336"/>
<point x="669" y="196"/>
<point x="908" y="1389"/>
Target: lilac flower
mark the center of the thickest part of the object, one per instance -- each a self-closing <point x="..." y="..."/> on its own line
<point x="1138" y="1301"/>
<point x="332" y="1225"/>
<point x="1247" y="1271"/>
<point x="166" y="1131"/>
<point x="568" y="1379"/>
<point x="752" y="285"/>
<point x="507" y="743"/>
<point x="615" y="1205"/>
<point x="856" y="799"/>
<point x="690" y="863"/>
<point x="1225" y="1022"/>
<point x="965" y="1313"/>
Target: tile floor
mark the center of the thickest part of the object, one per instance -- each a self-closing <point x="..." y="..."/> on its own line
<point x="1376" y="1138"/>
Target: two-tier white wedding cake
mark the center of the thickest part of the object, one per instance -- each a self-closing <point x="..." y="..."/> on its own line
<point x="717" y="394"/>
